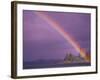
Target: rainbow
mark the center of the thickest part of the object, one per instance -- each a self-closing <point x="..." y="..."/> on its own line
<point x="66" y="35"/>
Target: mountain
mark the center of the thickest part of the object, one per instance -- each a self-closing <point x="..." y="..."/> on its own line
<point x="71" y="58"/>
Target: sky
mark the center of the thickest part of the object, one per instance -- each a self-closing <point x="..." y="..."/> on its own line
<point x="42" y="41"/>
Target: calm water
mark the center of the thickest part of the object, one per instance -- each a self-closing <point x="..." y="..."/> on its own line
<point x="51" y="64"/>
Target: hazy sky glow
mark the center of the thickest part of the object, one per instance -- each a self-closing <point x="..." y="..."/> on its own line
<point x="41" y="41"/>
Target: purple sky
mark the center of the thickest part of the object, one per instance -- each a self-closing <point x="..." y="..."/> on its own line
<point x="41" y="41"/>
